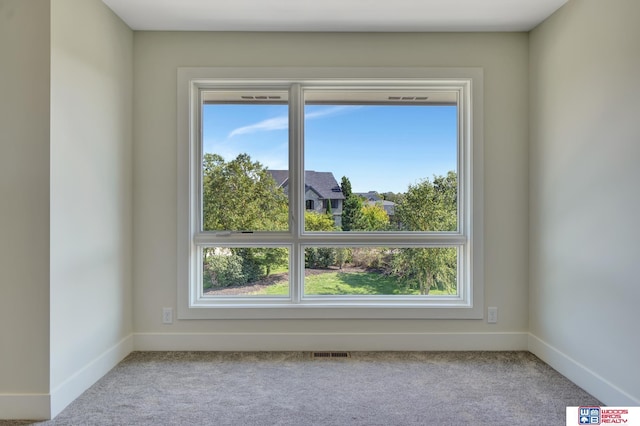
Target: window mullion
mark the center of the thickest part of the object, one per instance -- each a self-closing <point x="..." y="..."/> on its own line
<point x="296" y="185"/>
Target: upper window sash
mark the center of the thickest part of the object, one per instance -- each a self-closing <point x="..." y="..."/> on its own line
<point x="447" y="92"/>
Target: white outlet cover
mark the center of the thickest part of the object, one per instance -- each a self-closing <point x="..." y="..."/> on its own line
<point x="492" y="315"/>
<point x="167" y="315"/>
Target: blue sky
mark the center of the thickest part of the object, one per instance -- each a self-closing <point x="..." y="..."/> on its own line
<point x="379" y="148"/>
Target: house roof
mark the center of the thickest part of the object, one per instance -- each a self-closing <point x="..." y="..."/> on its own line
<point x="280" y="176"/>
<point x="323" y="183"/>
<point x="373" y="198"/>
<point x="388" y="206"/>
<point x="370" y="196"/>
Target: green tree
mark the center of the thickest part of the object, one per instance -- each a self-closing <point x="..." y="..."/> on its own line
<point x="345" y="186"/>
<point x="343" y="255"/>
<point x="428" y="206"/>
<point x="258" y="261"/>
<point x="352" y="213"/>
<point x="241" y="195"/>
<point x="266" y="258"/>
<point x="426" y="268"/>
<point x="391" y="196"/>
<point x="314" y="221"/>
<point x="351" y="208"/>
<point x="373" y="218"/>
<point x="319" y="257"/>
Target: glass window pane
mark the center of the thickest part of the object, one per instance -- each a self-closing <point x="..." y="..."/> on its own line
<point x="386" y="160"/>
<point x="380" y="271"/>
<point x="245" y="271"/>
<point x="245" y="161"/>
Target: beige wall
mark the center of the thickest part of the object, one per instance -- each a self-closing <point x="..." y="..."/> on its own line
<point x="504" y="58"/>
<point x="584" y="204"/>
<point x="66" y="210"/>
<point x="24" y="197"/>
<point x="91" y="184"/>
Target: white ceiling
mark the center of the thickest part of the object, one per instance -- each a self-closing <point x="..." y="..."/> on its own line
<point x="334" y="15"/>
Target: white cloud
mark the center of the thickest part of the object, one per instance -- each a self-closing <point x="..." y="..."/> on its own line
<point x="279" y="123"/>
<point x="276" y="123"/>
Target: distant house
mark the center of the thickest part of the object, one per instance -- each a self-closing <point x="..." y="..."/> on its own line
<point x="321" y="190"/>
<point x="373" y="198"/>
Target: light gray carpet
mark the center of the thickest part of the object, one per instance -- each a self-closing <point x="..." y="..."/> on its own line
<point x="291" y="388"/>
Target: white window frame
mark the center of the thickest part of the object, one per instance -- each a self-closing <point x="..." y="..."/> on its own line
<point x="467" y="304"/>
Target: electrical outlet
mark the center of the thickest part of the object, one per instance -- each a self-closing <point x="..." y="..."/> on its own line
<point x="492" y="315"/>
<point x="167" y="315"/>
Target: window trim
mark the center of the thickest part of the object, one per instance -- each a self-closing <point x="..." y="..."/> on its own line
<point x="191" y="80"/>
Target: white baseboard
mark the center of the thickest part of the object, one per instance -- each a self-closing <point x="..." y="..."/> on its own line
<point x="331" y="341"/>
<point x="86" y="376"/>
<point x="47" y="406"/>
<point x="25" y="407"/>
<point x="596" y="385"/>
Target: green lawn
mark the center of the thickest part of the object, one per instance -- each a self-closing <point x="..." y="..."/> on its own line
<point x="352" y="283"/>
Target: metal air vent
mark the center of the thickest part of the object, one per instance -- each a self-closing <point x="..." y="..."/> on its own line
<point x="408" y="98"/>
<point x="260" y="98"/>
<point x="328" y="355"/>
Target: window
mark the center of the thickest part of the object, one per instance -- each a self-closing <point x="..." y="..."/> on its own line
<point x="330" y="205"/>
<point x="330" y="193"/>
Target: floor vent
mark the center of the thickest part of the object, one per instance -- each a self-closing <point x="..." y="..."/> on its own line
<point x="325" y="355"/>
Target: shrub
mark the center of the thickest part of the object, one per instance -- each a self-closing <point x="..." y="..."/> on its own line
<point x="343" y="255"/>
<point x="251" y="264"/>
<point x="224" y="270"/>
<point x="370" y="258"/>
<point x="319" y="257"/>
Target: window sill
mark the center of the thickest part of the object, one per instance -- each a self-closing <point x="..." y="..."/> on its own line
<point x="325" y="311"/>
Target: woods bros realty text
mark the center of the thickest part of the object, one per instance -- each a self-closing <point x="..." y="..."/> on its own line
<point x="603" y="415"/>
